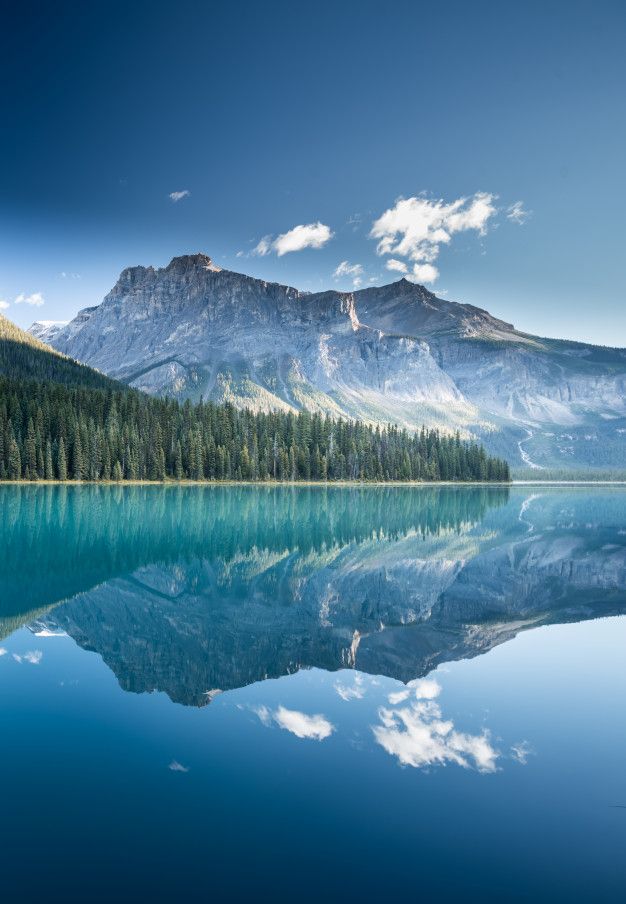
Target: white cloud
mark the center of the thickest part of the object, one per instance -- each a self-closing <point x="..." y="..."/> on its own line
<point x="521" y="752"/>
<point x="177" y="196"/>
<point x="3" y="651"/>
<point x="34" y="657"/>
<point x="46" y="632"/>
<point x="65" y="275"/>
<point x="36" y="299"/>
<point x="352" y="271"/>
<point x="421" y="688"/>
<point x="356" y="692"/>
<point x="264" y="247"/>
<point x="425" y="688"/>
<point x="311" y="235"/>
<point x="396" y="265"/>
<point x="418" y="736"/>
<point x="4" y="304"/>
<point x="517" y="213"/>
<point x="175" y="766"/>
<point x="415" y="228"/>
<point x="302" y="726"/>
<point x="423" y="273"/>
<point x="398" y="697"/>
<point x="263" y="713"/>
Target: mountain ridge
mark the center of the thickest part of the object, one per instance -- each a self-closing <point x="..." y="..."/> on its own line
<point x="24" y="356"/>
<point x="393" y="353"/>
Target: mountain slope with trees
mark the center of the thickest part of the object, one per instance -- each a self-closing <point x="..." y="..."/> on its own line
<point x="52" y="431"/>
<point x="24" y="357"/>
<point x="61" y="420"/>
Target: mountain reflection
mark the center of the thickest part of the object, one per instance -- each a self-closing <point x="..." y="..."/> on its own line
<point x="195" y="590"/>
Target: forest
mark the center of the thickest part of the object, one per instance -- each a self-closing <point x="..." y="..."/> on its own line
<point x="60" y="431"/>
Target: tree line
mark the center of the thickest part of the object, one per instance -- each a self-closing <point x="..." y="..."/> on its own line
<point x="50" y="431"/>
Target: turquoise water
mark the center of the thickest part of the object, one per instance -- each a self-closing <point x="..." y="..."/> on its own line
<point x="313" y="694"/>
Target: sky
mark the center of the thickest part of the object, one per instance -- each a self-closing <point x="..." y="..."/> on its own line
<point x="477" y="148"/>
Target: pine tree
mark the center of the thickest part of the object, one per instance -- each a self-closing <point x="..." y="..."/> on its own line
<point x="135" y="436"/>
<point x="15" y="460"/>
<point x="31" y="450"/>
<point x="48" y="467"/>
<point x="178" y="462"/>
<point x="77" y="457"/>
<point x="61" y="460"/>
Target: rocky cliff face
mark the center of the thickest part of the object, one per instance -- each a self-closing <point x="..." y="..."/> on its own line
<point x="47" y="330"/>
<point x="398" y="605"/>
<point x="393" y="353"/>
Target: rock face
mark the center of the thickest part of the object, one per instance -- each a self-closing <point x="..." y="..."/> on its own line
<point x="392" y="353"/>
<point x="47" y="330"/>
<point x="398" y="603"/>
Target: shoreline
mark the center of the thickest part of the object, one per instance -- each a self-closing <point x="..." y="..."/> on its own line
<point x="314" y="483"/>
<point x="256" y="483"/>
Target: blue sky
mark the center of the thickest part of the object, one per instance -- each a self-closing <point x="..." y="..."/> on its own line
<point x="278" y="115"/>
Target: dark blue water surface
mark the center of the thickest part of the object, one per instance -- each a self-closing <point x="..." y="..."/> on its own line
<point x="337" y="694"/>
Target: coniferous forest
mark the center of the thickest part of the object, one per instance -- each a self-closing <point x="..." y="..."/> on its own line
<point x="56" y="431"/>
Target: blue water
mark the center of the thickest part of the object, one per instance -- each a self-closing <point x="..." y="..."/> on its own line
<point x="312" y="694"/>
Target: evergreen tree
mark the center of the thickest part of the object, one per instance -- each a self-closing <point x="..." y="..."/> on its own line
<point x="48" y="467"/>
<point x="77" y="456"/>
<point x="126" y="435"/>
<point x="178" y="462"/>
<point x="61" y="460"/>
<point x="15" y="460"/>
<point x="31" y="450"/>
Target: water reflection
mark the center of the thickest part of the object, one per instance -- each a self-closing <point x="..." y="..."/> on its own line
<point x="412" y="728"/>
<point x="193" y="591"/>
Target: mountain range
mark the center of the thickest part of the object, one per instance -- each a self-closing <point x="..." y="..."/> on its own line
<point x="188" y="592"/>
<point x="395" y="353"/>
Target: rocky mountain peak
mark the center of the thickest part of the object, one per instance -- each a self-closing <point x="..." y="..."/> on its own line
<point x="46" y="330"/>
<point x="187" y="265"/>
<point x="187" y="262"/>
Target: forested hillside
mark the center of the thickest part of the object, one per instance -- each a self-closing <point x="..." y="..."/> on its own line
<point x="49" y="430"/>
<point x="22" y="357"/>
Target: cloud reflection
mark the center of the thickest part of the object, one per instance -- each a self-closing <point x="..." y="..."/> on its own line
<point x="354" y="692"/>
<point x="521" y="752"/>
<point x="316" y="727"/>
<point x="34" y="657"/>
<point x="418" y="735"/>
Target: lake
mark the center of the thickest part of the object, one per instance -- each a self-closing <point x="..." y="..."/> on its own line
<point x="310" y="693"/>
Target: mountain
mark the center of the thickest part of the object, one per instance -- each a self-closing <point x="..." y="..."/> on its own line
<point x="23" y="356"/>
<point x="211" y="594"/>
<point x="91" y="535"/>
<point x="45" y="330"/>
<point x="392" y="353"/>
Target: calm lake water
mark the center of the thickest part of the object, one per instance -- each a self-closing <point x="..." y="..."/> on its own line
<point x="345" y="694"/>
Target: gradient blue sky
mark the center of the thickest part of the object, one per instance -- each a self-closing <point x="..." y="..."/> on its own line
<point x="278" y="114"/>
